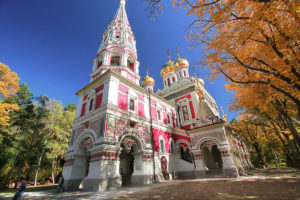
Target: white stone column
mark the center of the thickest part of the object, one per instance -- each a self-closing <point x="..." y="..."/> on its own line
<point x="113" y="85"/>
<point x="199" y="163"/>
<point x="106" y="58"/>
<point x="229" y="168"/>
<point x="103" y="170"/>
<point x="137" y="177"/>
<point x="124" y="57"/>
<point x="137" y="67"/>
<point x="79" y="106"/>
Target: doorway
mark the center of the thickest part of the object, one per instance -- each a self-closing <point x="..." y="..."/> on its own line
<point x="212" y="158"/>
<point x="126" y="166"/>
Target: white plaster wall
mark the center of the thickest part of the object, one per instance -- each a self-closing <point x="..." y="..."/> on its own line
<point x="183" y="165"/>
<point x="138" y="164"/>
<point x="113" y="85"/>
<point x="79" y="106"/>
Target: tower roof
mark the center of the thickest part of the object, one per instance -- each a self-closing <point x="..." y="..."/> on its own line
<point x="148" y="80"/>
<point x="119" y="31"/>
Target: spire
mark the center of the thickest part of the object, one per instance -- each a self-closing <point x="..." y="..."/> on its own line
<point x="118" y="48"/>
<point x="147" y="70"/>
<point x="178" y="54"/>
<point x="122" y="2"/>
<point x="119" y="31"/>
<point x="194" y="72"/>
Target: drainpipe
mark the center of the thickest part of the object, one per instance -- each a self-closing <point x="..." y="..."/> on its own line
<point x="152" y="137"/>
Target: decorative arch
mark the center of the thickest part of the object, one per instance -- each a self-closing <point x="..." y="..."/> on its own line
<point x="130" y="132"/>
<point x="85" y="135"/>
<point x="206" y="139"/>
<point x="114" y="47"/>
<point x="185" y="144"/>
<point x="131" y="53"/>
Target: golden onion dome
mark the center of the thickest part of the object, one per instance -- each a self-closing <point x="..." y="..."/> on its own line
<point x="200" y="80"/>
<point x="181" y="63"/>
<point x="166" y="68"/>
<point x="148" y="80"/>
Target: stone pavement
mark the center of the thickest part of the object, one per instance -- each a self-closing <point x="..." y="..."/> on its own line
<point x="262" y="184"/>
<point x="85" y="195"/>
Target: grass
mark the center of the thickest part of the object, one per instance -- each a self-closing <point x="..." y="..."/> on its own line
<point x="28" y="189"/>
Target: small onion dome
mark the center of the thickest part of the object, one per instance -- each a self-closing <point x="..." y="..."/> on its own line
<point x="200" y="80"/>
<point x="148" y="80"/>
<point x="166" y="68"/>
<point x="181" y="63"/>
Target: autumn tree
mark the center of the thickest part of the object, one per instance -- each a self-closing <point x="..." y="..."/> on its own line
<point x="249" y="42"/>
<point x="265" y="146"/>
<point x="8" y="86"/>
<point x="276" y="111"/>
<point x="255" y="45"/>
<point x="22" y="139"/>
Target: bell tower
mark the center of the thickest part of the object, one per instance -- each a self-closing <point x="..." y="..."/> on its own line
<point x="118" y="51"/>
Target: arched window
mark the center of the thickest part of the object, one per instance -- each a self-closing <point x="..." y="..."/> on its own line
<point x="91" y="104"/>
<point x="185" y="113"/>
<point x="172" y="147"/>
<point x="158" y="115"/>
<point x="130" y="64"/>
<point x="117" y="35"/>
<point x="131" y="104"/>
<point x="180" y="74"/>
<point x="162" y="148"/>
<point x="99" y="64"/>
<point x="168" y="119"/>
<point x="169" y="83"/>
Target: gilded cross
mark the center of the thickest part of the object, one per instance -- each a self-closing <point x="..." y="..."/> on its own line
<point x="168" y="51"/>
<point x="178" y="54"/>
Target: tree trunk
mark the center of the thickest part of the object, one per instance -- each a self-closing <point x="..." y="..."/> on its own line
<point x="287" y="150"/>
<point x="260" y="156"/>
<point x="294" y="149"/>
<point x="52" y="173"/>
<point x="38" y="166"/>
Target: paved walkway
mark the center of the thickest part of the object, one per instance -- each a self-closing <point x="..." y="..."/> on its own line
<point x="83" y="195"/>
<point x="262" y="184"/>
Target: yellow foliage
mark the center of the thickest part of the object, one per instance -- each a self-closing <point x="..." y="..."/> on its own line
<point x="254" y="44"/>
<point x="8" y="86"/>
<point x="5" y="109"/>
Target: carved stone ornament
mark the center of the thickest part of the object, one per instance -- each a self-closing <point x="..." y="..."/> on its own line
<point x="88" y="143"/>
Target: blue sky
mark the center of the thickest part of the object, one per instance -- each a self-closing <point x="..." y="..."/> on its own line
<point x="51" y="43"/>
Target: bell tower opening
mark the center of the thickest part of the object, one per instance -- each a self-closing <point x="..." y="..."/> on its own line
<point x="115" y="60"/>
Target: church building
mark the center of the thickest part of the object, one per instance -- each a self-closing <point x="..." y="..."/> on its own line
<point x="125" y="133"/>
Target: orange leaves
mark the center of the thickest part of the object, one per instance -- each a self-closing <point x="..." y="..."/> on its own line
<point x="5" y="109"/>
<point x="8" y="81"/>
<point x="8" y="86"/>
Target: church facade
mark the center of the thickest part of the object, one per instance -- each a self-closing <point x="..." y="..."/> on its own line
<point x="124" y="133"/>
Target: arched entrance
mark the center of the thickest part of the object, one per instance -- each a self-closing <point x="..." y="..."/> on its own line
<point x="81" y="162"/>
<point x="212" y="157"/>
<point x="130" y="148"/>
<point x="164" y="168"/>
